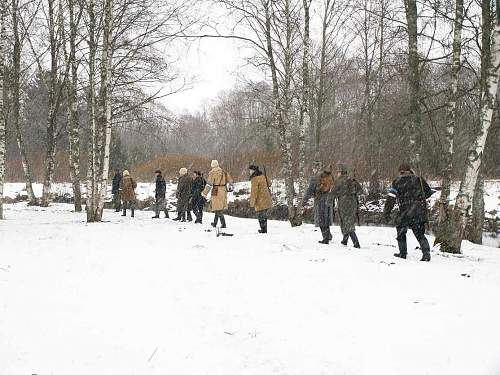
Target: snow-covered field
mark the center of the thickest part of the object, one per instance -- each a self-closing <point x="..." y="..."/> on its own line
<point x="137" y="296"/>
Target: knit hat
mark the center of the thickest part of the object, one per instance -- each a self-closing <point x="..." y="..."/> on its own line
<point x="214" y="164"/>
<point x="125" y="173"/>
<point x="342" y="168"/>
<point x="253" y="167"/>
<point x="183" y="171"/>
<point x="405" y="167"/>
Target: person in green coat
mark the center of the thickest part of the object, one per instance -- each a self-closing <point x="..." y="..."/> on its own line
<point x="347" y="190"/>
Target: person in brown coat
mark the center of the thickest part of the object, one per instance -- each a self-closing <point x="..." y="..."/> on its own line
<point x="128" y="193"/>
<point x="260" y="196"/>
<point x="183" y="195"/>
<point x="217" y="183"/>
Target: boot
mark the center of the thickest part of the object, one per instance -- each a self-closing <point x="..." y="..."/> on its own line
<point x="183" y="217"/>
<point x="124" y="212"/>
<point x="156" y="216"/>
<point x="132" y="210"/>
<point x="345" y="239"/>
<point x="426" y="257"/>
<point x="263" y="226"/>
<point x="355" y="240"/>
<point x="216" y="219"/>
<point x="222" y="222"/>
<point x="178" y="217"/>
<point x="400" y="255"/>
<point x="166" y="214"/>
<point x="330" y="237"/>
<point x="189" y="217"/>
<point x="325" y="240"/>
<point x="199" y="218"/>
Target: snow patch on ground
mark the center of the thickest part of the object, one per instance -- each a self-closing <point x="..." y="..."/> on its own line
<point x="137" y="296"/>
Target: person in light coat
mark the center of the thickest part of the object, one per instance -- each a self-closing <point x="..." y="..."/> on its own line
<point x="128" y="193"/>
<point x="217" y="186"/>
<point x="260" y="196"/>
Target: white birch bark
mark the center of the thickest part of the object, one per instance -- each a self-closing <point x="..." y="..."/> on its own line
<point x="443" y="218"/>
<point x="2" y="108"/>
<point x="101" y="128"/>
<point x="52" y="110"/>
<point x="305" y="119"/>
<point x="475" y="155"/>
<point x="72" y="105"/>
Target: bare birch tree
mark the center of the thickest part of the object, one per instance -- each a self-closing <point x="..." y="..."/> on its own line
<point x="475" y="154"/>
<point x="451" y="119"/>
<point x="3" y="7"/>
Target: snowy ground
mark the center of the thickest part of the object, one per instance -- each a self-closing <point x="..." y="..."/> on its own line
<point x="137" y="296"/>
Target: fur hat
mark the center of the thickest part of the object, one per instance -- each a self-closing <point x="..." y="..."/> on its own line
<point x="253" y="167"/>
<point x="214" y="164"/>
<point x="183" y="171"/>
<point x="158" y="171"/>
<point x="125" y="173"/>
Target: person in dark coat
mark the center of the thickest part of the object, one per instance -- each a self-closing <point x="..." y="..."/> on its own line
<point x="320" y="187"/>
<point x="197" y="200"/>
<point x="183" y="194"/>
<point x="115" y="190"/>
<point x="347" y="190"/>
<point x="411" y="193"/>
<point x="160" y="196"/>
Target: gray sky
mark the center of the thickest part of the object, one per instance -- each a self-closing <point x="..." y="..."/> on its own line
<point x="214" y="65"/>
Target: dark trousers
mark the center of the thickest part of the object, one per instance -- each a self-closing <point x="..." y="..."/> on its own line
<point x="418" y="231"/>
<point x="117" y="203"/>
<point x="219" y="215"/>
<point x="161" y="205"/>
<point x="198" y="205"/>
<point x="262" y="217"/>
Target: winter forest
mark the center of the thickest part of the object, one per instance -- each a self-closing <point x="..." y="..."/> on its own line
<point x="331" y="118"/>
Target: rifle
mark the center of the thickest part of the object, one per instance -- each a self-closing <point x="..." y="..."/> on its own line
<point x="357" y="198"/>
<point x="267" y="181"/>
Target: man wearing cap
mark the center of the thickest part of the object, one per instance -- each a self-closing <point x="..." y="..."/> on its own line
<point x="183" y="194"/>
<point x="347" y="190"/>
<point x="160" y="192"/>
<point x="410" y="192"/>
<point x="260" y="196"/>
<point x="217" y="182"/>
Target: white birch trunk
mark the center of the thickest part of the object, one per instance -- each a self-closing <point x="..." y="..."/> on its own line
<point x="444" y="215"/>
<point x="73" y="128"/>
<point x="103" y="131"/>
<point x="2" y="108"/>
<point x="304" y="115"/>
<point x="475" y="155"/>
<point x="52" y="111"/>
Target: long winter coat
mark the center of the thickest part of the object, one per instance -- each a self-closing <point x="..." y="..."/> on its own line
<point x="411" y="193"/>
<point x="161" y="187"/>
<point x="323" y="203"/>
<point x="128" y="189"/>
<point x="184" y="192"/>
<point x="117" y="179"/>
<point x="199" y="184"/>
<point x="347" y="190"/>
<point x="260" y="196"/>
<point x="218" y="179"/>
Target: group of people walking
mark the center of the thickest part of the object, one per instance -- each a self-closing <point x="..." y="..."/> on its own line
<point x="409" y="191"/>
